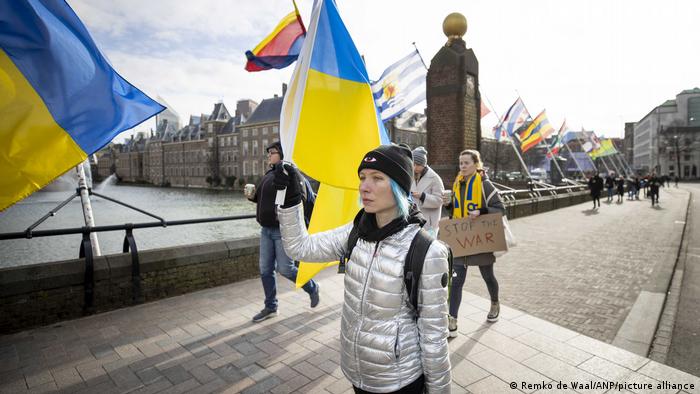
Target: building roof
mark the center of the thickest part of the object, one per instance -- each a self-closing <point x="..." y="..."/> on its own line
<point x="669" y="103"/>
<point x="690" y="91"/>
<point x="220" y="112"/>
<point x="268" y="111"/>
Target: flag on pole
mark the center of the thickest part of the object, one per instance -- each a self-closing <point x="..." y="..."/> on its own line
<point x="281" y="47"/>
<point x="591" y="142"/>
<point x="537" y="131"/>
<point x="401" y="86"/>
<point x="607" y="148"/>
<point x="60" y="100"/>
<point x="557" y="141"/>
<point x="512" y="120"/>
<point x="329" y="121"/>
<point x="484" y="109"/>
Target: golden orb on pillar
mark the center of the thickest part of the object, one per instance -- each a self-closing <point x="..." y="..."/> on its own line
<point x="454" y="26"/>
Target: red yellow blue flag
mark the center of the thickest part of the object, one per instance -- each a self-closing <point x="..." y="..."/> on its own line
<point x="538" y="130"/>
<point x="60" y="100"/>
<point x="281" y="47"/>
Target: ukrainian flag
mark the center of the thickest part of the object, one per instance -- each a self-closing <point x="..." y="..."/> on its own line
<point x="60" y="100"/>
<point x="329" y="121"/>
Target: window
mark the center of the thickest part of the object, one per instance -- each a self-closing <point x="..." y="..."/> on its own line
<point x="245" y="133"/>
<point x="255" y="132"/>
<point x="245" y="168"/>
<point x="264" y="132"/>
<point x="694" y="111"/>
<point x="264" y="146"/>
<point x="686" y="157"/>
<point x="255" y="149"/>
<point x="245" y="149"/>
<point x="670" y="168"/>
<point x="686" y="171"/>
<point x="275" y="130"/>
<point x="210" y="128"/>
<point x="255" y="168"/>
<point x="235" y="140"/>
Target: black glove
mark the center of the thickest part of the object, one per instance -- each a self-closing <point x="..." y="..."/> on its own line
<point x="288" y="181"/>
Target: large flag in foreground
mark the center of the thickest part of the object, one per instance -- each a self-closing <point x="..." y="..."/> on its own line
<point x="329" y="121"/>
<point x="401" y="86"/>
<point x="281" y="47"/>
<point x="538" y="130"/>
<point x="512" y="120"/>
<point x="60" y="100"/>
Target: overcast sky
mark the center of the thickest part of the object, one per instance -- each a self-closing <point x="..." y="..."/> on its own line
<point x="597" y="63"/>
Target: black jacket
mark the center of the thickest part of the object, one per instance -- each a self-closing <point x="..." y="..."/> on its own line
<point x="265" y="193"/>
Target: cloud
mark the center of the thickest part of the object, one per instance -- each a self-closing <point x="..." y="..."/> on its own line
<point x="598" y="64"/>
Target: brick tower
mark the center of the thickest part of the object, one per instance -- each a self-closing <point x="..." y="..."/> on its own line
<point x="453" y="101"/>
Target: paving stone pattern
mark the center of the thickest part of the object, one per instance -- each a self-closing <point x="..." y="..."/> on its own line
<point x="584" y="269"/>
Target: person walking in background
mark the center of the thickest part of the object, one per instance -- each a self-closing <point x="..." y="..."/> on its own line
<point x="427" y="190"/>
<point x="595" y="185"/>
<point x="620" y="189"/>
<point x="473" y="195"/>
<point x="654" y="185"/>
<point x="675" y="179"/>
<point x="609" y="185"/>
<point x="387" y="345"/>
<point x="272" y="255"/>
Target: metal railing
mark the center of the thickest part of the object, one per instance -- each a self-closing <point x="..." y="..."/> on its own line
<point x="129" y="244"/>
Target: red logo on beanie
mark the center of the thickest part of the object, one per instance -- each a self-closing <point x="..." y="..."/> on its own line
<point x="369" y="159"/>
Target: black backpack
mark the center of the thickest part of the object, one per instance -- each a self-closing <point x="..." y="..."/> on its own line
<point x="413" y="265"/>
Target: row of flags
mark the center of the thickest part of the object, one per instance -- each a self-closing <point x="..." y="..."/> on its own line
<point x="517" y="124"/>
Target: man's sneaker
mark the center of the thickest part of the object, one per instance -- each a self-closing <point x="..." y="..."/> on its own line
<point x="264" y="314"/>
<point x="452" y="326"/>
<point x="315" y="297"/>
<point x="494" y="312"/>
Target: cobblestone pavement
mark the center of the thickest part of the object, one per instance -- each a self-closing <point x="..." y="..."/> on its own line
<point x="205" y="341"/>
<point x="583" y="269"/>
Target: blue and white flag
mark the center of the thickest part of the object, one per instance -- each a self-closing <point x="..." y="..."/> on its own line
<point x="400" y="87"/>
<point x="515" y="117"/>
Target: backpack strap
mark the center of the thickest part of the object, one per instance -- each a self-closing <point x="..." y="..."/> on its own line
<point x="413" y="266"/>
<point x="352" y="241"/>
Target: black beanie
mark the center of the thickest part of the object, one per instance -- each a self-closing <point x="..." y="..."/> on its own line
<point x="276" y="145"/>
<point x="393" y="160"/>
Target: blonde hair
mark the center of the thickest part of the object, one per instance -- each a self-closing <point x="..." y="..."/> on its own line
<point x="476" y="157"/>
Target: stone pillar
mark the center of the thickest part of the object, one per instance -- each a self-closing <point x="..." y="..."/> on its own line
<point x="453" y="101"/>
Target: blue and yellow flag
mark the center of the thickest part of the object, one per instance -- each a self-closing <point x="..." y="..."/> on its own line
<point x="60" y="100"/>
<point x="329" y="120"/>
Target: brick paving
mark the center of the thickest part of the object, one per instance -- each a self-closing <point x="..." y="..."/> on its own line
<point x="205" y="341"/>
<point x="583" y="269"/>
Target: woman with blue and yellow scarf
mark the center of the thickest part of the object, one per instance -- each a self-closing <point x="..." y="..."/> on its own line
<point x="473" y="194"/>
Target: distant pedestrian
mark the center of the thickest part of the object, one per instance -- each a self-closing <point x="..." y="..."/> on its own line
<point x="620" y="189"/>
<point x="473" y="195"/>
<point x="637" y="186"/>
<point x="427" y="190"/>
<point x="610" y="186"/>
<point x="631" y="188"/>
<point x="654" y="184"/>
<point x="272" y="255"/>
<point x="675" y="179"/>
<point x="595" y="185"/>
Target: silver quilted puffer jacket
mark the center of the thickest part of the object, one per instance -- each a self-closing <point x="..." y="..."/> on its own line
<point x="383" y="345"/>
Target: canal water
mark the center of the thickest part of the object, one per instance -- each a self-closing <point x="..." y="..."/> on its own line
<point x="168" y="203"/>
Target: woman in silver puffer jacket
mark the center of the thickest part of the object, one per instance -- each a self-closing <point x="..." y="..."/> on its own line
<point x="386" y="345"/>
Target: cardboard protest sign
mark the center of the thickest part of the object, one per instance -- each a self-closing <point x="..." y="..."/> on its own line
<point x="467" y="237"/>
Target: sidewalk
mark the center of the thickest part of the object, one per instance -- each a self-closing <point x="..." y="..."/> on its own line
<point x="205" y="342"/>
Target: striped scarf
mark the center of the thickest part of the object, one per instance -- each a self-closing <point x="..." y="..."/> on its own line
<point x="472" y="200"/>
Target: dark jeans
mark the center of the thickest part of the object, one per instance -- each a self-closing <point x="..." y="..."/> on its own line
<point x="273" y="258"/>
<point x="458" y="278"/>
<point x="596" y="198"/>
<point x="417" y="387"/>
<point x="654" y="196"/>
